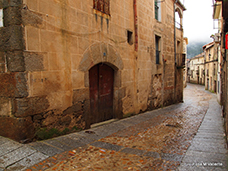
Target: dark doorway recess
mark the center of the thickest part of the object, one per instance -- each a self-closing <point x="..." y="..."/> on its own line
<point x="101" y="79"/>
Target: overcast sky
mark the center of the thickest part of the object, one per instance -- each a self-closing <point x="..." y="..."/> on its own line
<point x="197" y="20"/>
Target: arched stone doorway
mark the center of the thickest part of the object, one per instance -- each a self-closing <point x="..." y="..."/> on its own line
<point x="102" y="56"/>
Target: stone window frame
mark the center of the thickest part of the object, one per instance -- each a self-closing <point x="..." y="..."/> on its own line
<point x="102" y="6"/>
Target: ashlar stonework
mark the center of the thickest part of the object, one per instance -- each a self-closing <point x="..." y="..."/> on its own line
<point x="49" y="49"/>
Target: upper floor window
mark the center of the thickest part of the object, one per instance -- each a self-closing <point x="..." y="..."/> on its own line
<point x="158" y="49"/>
<point x="214" y="71"/>
<point x="102" y="6"/>
<point x="157" y="9"/>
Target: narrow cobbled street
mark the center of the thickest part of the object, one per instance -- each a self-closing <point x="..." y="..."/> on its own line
<point x="185" y="136"/>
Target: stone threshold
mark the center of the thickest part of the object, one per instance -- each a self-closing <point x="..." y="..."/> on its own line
<point x="103" y="123"/>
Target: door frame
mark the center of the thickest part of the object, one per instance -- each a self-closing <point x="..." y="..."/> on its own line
<point x="103" y="53"/>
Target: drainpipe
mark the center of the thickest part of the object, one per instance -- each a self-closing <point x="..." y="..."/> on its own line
<point x="175" y="53"/>
<point x="175" y="48"/>
<point x="136" y="25"/>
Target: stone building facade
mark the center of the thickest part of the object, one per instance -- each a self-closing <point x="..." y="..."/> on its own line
<point x="197" y="71"/>
<point x="185" y="70"/>
<point x="221" y="15"/>
<point x="67" y="63"/>
<point x="211" y="66"/>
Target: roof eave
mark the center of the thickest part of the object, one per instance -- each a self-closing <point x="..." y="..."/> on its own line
<point x="181" y="5"/>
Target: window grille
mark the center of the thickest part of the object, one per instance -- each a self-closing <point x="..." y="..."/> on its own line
<point x="102" y="6"/>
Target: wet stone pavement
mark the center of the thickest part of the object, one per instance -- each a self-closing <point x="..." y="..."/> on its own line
<point x="185" y="136"/>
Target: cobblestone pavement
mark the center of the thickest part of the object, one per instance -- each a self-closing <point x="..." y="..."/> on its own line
<point x="157" y="140"/>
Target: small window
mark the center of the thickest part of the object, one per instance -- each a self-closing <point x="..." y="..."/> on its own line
<point x="218" y="87"/>
<point x="158" y="49"/>
<point x="157" y="10"/>
<point x="214" y="72"/>
<point x="130" y="37"/>
<point x="102" y="6"/>
<point x="1" y="18"/>
<point x="178" y="20"/>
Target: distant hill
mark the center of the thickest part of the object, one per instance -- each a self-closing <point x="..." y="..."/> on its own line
<point x="195" y="48"/>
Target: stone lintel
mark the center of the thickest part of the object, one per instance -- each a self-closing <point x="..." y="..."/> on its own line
<point x="101" y="52"/>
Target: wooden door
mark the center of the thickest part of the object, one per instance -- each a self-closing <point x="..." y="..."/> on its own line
<point x="101" y="78"/>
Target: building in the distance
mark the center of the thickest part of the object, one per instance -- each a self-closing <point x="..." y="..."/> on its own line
<point x="211" y="66"/>
<point x="197" y="69"/>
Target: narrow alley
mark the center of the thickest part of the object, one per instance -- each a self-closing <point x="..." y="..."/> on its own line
<point x="186" y="136"/>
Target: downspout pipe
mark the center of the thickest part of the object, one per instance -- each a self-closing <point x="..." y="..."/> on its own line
<point x="175" y="48"/>
<point x="175" y="53"/>
<point x="136" y="25"/>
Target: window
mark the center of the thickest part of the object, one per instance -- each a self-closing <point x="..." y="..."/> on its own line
<point x="1" y="18"/>
<point x="130" y="37"/>
<point x="209" y="54"/>
<point x="157" y="9"/>
<point x="178" y="20"/>
<point x="102" y="6"/>
<point x="214" y="72"/>
<point x="218" y="87"/>
<point x="211" y="82"/>
<point x="157" y="40"/>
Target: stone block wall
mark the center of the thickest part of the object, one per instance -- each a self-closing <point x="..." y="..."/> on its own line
<point x="48" y="46"/>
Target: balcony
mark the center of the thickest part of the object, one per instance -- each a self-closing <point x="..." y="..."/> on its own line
<point x="179" y="26"/>
<point x="180" y="60"/>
